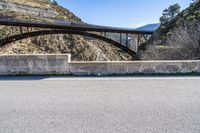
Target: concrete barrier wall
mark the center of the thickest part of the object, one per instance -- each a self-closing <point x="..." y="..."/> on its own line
<point x="34" y="64"/>
<point x="137" y="67"/>
<point x="61" y="64"/>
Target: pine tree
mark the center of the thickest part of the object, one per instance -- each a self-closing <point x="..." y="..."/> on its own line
<point x="170" y="13"/>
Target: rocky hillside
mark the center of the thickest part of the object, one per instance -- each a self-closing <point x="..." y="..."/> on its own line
<point x="179" y="39"/>
<point x="42" y="10"/>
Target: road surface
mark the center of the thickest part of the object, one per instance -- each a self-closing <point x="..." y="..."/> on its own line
<point x="100" y="105"/>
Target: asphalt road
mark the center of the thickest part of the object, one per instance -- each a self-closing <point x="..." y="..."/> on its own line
<point x="100" y="105"/>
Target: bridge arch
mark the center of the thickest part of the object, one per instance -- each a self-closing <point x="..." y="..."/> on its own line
<point x="18" y="37"/>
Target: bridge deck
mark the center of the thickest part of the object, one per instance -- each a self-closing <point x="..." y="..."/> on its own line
<point x="71" y="26"/>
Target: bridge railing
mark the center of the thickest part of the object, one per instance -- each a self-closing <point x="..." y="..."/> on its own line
<point x="70" y="25"/>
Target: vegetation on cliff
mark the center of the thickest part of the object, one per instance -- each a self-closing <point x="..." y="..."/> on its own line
<point x="177" y="39"/>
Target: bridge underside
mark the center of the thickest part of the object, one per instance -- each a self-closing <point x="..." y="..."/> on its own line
<point x="18" y="37"/>
<point x="122" y="41"/>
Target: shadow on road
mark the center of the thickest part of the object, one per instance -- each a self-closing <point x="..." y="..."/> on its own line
<point x="18" y="78"/>
<point x="31" y="77"/>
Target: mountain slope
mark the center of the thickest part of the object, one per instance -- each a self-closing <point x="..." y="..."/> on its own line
<point x="149" y="27"/>
<point x="177" y="40"/>
<point x="43" y="10"/>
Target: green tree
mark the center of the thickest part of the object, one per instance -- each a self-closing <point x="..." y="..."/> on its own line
<point x="55" y="2"/>
<point x="170" y="13"/>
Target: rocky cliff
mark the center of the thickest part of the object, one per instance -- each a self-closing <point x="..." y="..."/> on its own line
<point x="42" y="10"/>
<point x="179" y="39"/>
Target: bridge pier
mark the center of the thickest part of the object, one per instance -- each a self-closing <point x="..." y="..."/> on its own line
<point x="127" y="40"/>
<point x="120" y="38"/>
<point x="21" y="32"/>
<point x="145" y="37"/>
<point x="139" y="37"/>
<point x="27" y="29"/>
<point x="12" y="31"/>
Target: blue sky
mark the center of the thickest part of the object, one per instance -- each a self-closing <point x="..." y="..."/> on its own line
<point x="121" y="13"/>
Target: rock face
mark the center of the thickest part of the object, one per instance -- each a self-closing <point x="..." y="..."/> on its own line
<point x="177" y="40"/>
<point x="81" y="49"/>
<point x="42" y="12"/>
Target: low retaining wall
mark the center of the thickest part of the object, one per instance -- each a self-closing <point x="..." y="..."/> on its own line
<point x="61" y="64"/>
<point x="134" y="67"/>
<point x="34" y="64"/>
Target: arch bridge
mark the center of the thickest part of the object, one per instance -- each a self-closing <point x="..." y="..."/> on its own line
<point x="119" y="37"/>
